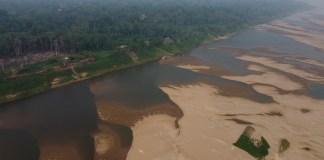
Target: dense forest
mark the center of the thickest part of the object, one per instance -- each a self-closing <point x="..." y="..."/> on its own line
<point x="71" y="26"/>
<point x="47" y="43"/>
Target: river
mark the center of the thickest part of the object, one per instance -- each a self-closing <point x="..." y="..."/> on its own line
<point x="97" y="118"/>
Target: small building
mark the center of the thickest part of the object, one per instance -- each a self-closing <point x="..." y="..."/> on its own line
<point x="167" y="41"/>
<point x="123" y="49"/>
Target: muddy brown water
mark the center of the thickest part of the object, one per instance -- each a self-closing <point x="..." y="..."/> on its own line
<point x="60" y="123"/>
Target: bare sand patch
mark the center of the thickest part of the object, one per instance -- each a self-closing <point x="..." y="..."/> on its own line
<point x="194" y="68"/>
<point x="306" y="39"/>
<point x="11" y="96"/>
<point x="307" y="128"/>
<point x="224" y="37"/>
<point x="185" y="61"/>
<point x="288" y="68"/>
<point x="267" y="77"/>
<point x="155" y="137"/>
<point x="312" y="37"/>
<point x="291" y="100"/>
<point x="307" y="61"/>
<point x="105" y="140"/>
<point x="55" y="82"/>
<point x="108" y="143"/>
<point x="282" y="26"/>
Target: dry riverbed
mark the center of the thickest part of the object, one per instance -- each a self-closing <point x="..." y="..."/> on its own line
<point x="213" y="121"/>
<point x="207" y="118"/>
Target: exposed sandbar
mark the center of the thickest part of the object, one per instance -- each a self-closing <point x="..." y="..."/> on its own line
<point x="208" y="131"/>
<point x="194" y="68"/>
<point x="308" y="61"/>
<point x="288" y="68"/>
<point x="267" y="77"/>
<point x="309" y="36"/>
<point x="201" y="135"/>
<point x="155" y="137"/>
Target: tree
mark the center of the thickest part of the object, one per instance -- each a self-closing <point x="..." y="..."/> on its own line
<point x="13" y="71"/>
<point x="107" y="24"/>
<point x="56" y="45"/>
<point x="2" y="61"/>
<point x="18" y="46"/>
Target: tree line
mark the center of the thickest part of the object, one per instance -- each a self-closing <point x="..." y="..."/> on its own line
<point x="72" y="26"/>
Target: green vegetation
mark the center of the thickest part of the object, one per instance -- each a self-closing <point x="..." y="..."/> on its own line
<point x="256" y="148"/>
<point x="284" y="146"/>
<point x="72" y="26"/>
<point x="106" y="61"/>
<point x="79" y="39"/>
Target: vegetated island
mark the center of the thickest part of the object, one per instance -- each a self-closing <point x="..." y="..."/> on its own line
<point x="50" y="43"/>
<point x="256" y="148"/>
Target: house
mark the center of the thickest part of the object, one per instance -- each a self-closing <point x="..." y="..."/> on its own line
<point x="133" y="56"/>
